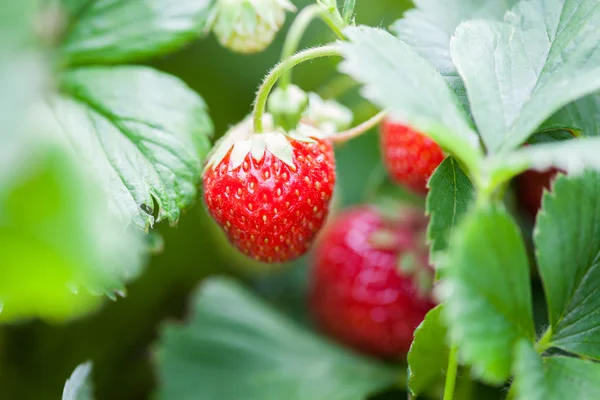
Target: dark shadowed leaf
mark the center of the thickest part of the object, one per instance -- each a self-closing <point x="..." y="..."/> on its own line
<point x="582" y="115"/>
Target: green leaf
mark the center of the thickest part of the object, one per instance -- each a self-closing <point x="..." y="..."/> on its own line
<point x="554" y="378"/>
<point x="348" y="10"/>
<point x="395" y="77"/>
<point x="110" y="31"/>
<point x="450" y="194"/>
<point x="235" y="345"/>
<point x="143" y="133"/>
<point x="519" y="73"/>
<point x="15" y="23"/>
<point x="572" y="156"/>
<point x="582" y="115"/>
<point x="58" y="244"/>
<point x="428" y="355"/>
<point x="550" y="137"/>
<point x="489" y="304"/>
<point x="568" y="254"/>
<point x="22" y="74"/>
<point x="430" y="25"/>
<point x="78" y="386"/>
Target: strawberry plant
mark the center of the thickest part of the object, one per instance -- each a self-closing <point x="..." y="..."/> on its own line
<point x="426" y="224"/>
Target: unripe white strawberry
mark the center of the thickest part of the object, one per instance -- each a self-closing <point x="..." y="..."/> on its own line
<point x="287" y="106"/>
<point x="248" y="26"/>
<point x="328" y="115"/>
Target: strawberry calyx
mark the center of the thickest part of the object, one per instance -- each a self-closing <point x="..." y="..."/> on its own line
<point x="241" y="140"/>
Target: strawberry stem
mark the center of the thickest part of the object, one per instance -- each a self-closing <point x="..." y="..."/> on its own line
<point x="294" y="35"/>
<point x="270" y="80"/>
<point x="511" y="392"/>
<point x="545" y="341"/>
<point x="358" y="130"/>
<point x="451" y="373"/>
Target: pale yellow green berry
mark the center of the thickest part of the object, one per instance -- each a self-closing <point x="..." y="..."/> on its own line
<point x="248" y="26"/>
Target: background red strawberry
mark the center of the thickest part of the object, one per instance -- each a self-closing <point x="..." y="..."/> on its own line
<point x="272" y="207"/>
<point x="530" y="188"/>
<point x="409" y="156"/>
<point x="370" y="281"/>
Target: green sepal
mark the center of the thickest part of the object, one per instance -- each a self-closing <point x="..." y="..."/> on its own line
<point x="241" y="140"/>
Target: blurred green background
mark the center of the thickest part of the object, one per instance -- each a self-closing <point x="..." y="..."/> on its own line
<point x="36" y="357"/>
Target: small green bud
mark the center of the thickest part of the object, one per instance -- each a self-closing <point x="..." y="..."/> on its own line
<point x="287" y="106"/>
<point x="248" y="26"/>
<point x="328" y="115"/>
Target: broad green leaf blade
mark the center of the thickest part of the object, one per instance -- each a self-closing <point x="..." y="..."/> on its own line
<point x="395" y="77"/>
<point x="428" y="355"/>
<point x="430" y="25"/>
<point x="58" y="244"/>
<point x="143" y="133"/>
<point x="110" y="31"/>
<point x="234" y="345"/>
<point x="450" y="194"/>
<point x="572" y="156"/>
<point x="488" y="305"/>
<point x="567" y="243"/>
<point x="78" y="386"/>
<point x="554" y="378"/>
<point x="521" y="72"/>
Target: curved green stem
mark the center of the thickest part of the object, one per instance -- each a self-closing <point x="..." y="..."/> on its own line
<point x="264" y="90"/>
<point x="292" y="40"/>
<point x="358" y="130"/>
<point x="451" y="374"/>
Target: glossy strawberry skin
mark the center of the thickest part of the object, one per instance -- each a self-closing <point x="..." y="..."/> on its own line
<point x="530" y="188"/>
<point x="269" y="210"/>
<point x="409" y="156"/>
<point x="358" y="294"/>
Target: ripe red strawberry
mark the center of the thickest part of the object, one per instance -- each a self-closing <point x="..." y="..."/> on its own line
<point x="530" y="188"/>
<point x="410" y="157"/>
<point x="270" y="192"/>
<point x="370" y="281"/>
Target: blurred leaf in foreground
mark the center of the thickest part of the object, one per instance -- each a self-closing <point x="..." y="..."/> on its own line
<point x="235" y="347"/>
<point x="56" y="240"/>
